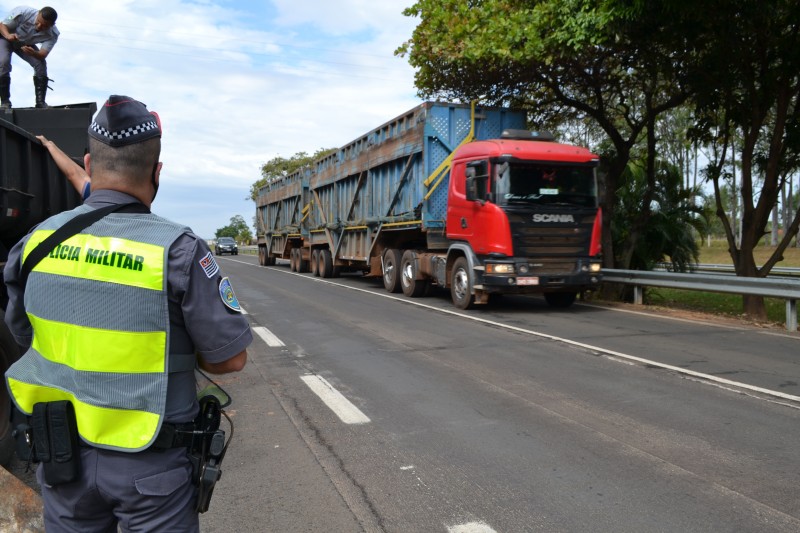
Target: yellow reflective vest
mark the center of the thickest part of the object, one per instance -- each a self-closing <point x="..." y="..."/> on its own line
<point x="98" y="307"/>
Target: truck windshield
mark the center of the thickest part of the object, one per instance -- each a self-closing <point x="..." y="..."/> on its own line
<point x="545" y="184"/>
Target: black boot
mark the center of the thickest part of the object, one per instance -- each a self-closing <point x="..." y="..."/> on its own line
<point x="5" y="92"/>
<point x="40" y="86"/>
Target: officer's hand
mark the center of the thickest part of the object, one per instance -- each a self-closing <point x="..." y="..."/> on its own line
<point x="29" y="50"/>
<point x="12" y="37"/>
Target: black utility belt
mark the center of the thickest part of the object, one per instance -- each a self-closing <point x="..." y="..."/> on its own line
<point x="56" y="442"/>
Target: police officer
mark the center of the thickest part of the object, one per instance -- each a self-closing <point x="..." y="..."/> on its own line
<point x="22" y="32"/>
<point x="114" y="318"/>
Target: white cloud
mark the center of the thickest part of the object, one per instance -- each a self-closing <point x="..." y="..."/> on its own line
<point x="235" y="83"/>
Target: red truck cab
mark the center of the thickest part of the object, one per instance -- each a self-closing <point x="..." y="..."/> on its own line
<point x="528" y="209"/>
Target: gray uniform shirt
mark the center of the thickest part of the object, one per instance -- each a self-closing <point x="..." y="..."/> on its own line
<point x="199" y="320"/>
<point x="22" y="21"/>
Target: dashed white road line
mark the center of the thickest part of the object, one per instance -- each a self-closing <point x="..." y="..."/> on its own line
<point x="341" y="406"/>
<point x="268" y="337"/>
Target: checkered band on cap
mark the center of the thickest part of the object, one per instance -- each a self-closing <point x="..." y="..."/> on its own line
<point x="139" y="129"/>
<point x="123" y="121"/>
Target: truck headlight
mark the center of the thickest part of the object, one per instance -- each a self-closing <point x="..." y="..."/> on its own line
<point x="499" y="268"/>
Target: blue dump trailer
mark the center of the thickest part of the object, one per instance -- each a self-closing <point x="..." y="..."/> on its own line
<point x="448" y="195"/>
<point x="32" y="188"/>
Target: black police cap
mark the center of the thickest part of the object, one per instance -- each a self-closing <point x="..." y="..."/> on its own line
<point x="123" y="121"/>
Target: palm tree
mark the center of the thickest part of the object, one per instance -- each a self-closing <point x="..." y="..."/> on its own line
<point x="670" y="233"/>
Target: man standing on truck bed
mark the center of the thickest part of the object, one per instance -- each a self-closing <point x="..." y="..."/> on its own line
<point x="115" y="318"/>
<point x="20" y="32"/>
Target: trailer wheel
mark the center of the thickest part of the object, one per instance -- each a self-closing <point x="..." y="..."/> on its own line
<point x="391" y="270"/>
<point x="262" y="255"/>
<point x="326" y="269"/>
<point x="9" y="353"/>
<point x="412" y="287"/>
<point x="315" y="262"/>
<point x="460" y="287"/>
<point x="560" y="300"/>
<point x="293" y="260"/>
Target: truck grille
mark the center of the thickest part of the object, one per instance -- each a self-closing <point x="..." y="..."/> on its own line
<point x="557" y="240"/>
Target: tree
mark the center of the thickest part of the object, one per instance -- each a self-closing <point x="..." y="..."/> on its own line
<point x="618" y="63"/>
<point x="747" y="86"/>
<point x="237" y="229"/>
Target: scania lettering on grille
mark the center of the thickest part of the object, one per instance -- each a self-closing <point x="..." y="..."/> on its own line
<point x="539" y="217"/>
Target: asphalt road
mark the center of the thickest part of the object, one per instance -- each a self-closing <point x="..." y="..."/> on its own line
<point x="512" y="418"/>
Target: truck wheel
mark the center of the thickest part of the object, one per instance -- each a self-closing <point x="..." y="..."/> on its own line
<point x="560" y="300"/>
<point x="9" y="353"/>
<point x="391" y="270"/>
<point x="460" y="287"/>
<point x="262" y="255"/>
<point x="326" y="264"/>
<point x="302" y="264"/>
<point x="293" y="260"/>
<point x="315" y="262"/>
<point x="412" y="287"/>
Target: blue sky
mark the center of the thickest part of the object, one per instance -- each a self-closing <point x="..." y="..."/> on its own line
<point x="236" y="83"/>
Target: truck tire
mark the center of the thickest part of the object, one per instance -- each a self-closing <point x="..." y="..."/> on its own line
<point x="391" y="270"/>
<point x="302" y="264"/>
<point x="262" y="255"/>
<point x="412" y="287"/>
<point x="293" y="262"/>
<point x="9" y="353"/>
<point x="326" y="269"/>
<point x="315" y="263"/>
<point x="560" y="300"/>
<point x="460" y="284"/>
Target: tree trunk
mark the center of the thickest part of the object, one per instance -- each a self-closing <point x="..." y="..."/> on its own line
<point x="752" y="306"/>
<point x="773" y="241"/>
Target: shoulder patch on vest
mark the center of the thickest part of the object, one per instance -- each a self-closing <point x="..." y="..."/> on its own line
<point x="210" y="267"/>
<point x="228" y="296"/>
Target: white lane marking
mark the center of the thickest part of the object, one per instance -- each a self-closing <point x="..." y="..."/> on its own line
<point x="244" y="311"/>
<point x="268" y="336"/>
<point x="341" y="406"/>
<point x="597" y="349"/>
<point x="472" y="527"/>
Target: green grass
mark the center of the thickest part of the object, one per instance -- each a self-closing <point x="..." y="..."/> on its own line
<point x="717" y="254"/>
<point x="723" y="304"/>
<point x="711" y="303"/>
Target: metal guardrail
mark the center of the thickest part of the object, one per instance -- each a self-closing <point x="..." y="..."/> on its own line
<point x="783" y="288"/>
<point x="728" y="269"/>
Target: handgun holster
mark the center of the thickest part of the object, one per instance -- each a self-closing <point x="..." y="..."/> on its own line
<point x="55" y="440"/>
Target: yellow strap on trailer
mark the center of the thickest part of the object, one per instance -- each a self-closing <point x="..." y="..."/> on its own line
<point x="439" y="173"/>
